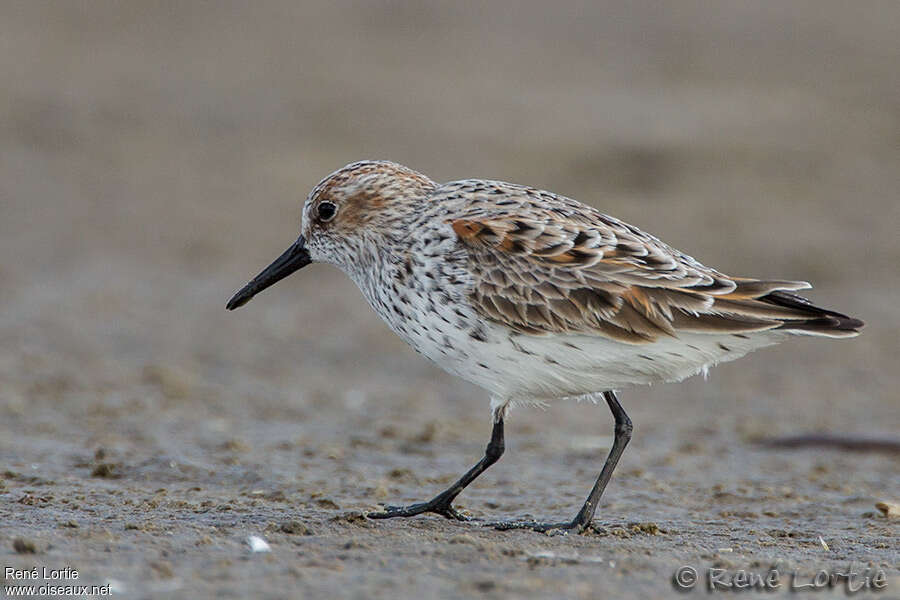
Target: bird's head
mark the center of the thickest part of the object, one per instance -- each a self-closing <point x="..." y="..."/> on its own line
<point x="345" y="215"/>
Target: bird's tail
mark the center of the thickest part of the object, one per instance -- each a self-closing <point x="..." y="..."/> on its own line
<point x="811" y="319"/>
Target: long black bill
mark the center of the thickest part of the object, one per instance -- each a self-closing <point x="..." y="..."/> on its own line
<point x="294" y="258"/>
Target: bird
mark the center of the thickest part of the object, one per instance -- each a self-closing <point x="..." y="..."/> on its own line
<point x="533" y="297"/>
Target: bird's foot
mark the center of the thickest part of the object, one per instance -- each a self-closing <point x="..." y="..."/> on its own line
<point x="437" y="506"/>
<point x="548" y="528"/>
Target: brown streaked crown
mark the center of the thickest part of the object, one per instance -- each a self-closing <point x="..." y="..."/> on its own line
<point x="364" y="189"/>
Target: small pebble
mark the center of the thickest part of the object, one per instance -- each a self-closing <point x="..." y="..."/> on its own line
<point x="295" y="527"/>
<point x="23" y="546"/>
<point x="257" y="544"/>
<point x="888" y="509"/>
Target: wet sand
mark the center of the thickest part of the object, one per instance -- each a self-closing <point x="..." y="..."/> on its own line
<point x="153" y="160"/>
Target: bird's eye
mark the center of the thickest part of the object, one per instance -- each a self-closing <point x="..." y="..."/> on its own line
<point x="326" y="211"/>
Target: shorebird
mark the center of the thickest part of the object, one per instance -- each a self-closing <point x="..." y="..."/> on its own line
<point x="534" y="297"/>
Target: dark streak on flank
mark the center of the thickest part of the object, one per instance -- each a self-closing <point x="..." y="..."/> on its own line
<point x="478" y="335"/>
<point x="519" y="348"/>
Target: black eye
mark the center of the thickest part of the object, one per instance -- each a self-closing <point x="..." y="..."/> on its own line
<point x="326" y="211"/>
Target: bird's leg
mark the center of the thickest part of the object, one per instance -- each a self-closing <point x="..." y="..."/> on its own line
<point x="583" y="519"/>
<point x="441" y="504"/>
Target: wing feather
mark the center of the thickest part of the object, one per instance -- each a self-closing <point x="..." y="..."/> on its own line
<point x="544" y="269"/>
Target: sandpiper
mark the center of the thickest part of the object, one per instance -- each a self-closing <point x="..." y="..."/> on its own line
<point x="533" y="296"/>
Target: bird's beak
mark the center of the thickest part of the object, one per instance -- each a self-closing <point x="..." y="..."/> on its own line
<point x="294" y="258"/>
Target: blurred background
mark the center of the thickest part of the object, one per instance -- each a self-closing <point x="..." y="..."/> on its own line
<point x="155" y="156"/>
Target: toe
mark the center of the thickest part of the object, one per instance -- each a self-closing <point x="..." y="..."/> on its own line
<point x="451" y="513"/>
<point x="548" y="528"/>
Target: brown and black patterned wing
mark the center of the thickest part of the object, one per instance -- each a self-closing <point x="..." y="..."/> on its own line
<point x="541" y="273"/>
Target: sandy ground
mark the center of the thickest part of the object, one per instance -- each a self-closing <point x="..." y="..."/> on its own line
<point x="152" y="159"/>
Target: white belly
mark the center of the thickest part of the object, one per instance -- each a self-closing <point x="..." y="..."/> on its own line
<point x="542" y="368"/>
<point x="527" y="368"/>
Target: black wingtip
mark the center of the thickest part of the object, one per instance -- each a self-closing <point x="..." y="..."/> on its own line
<point x="821" y="319"/>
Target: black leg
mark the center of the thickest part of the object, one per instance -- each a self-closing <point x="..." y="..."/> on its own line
<point x="583" y="519"/>
<point x="441" y="504"/>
